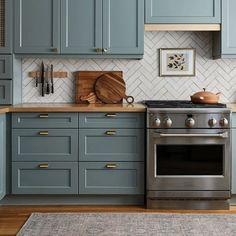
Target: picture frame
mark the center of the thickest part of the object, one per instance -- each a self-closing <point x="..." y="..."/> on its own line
<point x="177" y="62"/>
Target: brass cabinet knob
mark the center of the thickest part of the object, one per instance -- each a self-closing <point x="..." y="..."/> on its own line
<point x="55" y="50"/>
<point x="105" y="50"/>
<point x="98" y="50"/>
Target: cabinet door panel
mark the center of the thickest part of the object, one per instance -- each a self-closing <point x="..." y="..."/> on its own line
<point x="44" y="145"/>
<point x="81" y="26"/>
<point x="123" y="26"/>
<point x="183" y="11"/>
<point x="57" y="178"/>
<point x="6" y="26"/>
<point x="233" y="161"/>
<point x="97" y="178"/>
<point x="2" y="156"/>
<point x="5" y="66"/>
<point x="37" y="26"/>
<point x="111" y="145"/>
<point x="228" y="27"/>
<point x="5" y="92"/>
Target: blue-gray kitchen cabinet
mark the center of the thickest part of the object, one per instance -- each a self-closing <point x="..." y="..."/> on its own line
<point x="37" y="26"/>
<point x="45" y="145"/>
<point x="182" y="11"/>
<point x="234" y="153"/>
<point x="111" y="145"/>
<point x="224" y="42"/>
<point x="107" y="27"/>
<point x="2" y="155"/>
<point x="81" y="26"/>
<point x="6" y="26"/>
<point x="5" y="92"/>
<point x="6" y="67"/>
<point x="44" y="178"/>
<point x="111" y="178"/>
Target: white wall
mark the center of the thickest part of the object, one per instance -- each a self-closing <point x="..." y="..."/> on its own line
<point x="141" y="76"/>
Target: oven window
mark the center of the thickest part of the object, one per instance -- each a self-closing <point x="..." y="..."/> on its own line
<point x="189" y="159"/>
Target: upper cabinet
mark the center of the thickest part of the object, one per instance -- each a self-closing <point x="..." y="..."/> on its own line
<point x="224" y="45"/>
<point x="183" y="11"/>
<point x="5" y="26"/>
<point x="37" y="26"/>
<point x="82" y="27"/>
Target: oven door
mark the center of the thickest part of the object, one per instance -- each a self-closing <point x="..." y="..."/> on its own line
<point x="188" y="160"/>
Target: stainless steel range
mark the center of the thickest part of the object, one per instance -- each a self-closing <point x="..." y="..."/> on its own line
<point x="188" y="155"/>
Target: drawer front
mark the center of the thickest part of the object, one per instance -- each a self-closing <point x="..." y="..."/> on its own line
<point x="183" y="11"/>
<point x="111" y="120"/>
<point x="5" y="92"/>
<point x="45" y="120"/>
<point x="111" y="178"/>
<point x="44" y="145"/>
<point x="5" y="67"/>
<point x="111" y="145"/>
<point x="37" y="178"/>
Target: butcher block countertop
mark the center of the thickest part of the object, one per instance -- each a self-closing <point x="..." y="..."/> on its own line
<point x="232" y="106"/>
<point x="74" y="108"/>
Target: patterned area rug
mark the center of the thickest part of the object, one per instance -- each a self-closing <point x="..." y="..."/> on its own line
<point x="128" y="224"/>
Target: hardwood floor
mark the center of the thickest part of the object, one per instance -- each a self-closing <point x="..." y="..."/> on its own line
<point x="13" y="217"/>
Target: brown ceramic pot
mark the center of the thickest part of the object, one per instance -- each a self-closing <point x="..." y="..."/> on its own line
<point x="205" y="97"/>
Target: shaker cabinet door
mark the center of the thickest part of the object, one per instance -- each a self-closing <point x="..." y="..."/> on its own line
<point x="37" y="26"/>
<point x="123" y="27"/>
<point x="81" y="26"/>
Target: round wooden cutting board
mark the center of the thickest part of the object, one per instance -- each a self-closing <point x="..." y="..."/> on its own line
<point x="110" y="88"/>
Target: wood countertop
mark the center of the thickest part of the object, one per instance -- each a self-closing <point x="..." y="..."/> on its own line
<point x="74" y="108"/>
<point x="232" y="106"/>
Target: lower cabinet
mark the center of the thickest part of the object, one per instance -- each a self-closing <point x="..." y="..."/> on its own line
<point x="234" y="159"/>
<point x="111" y="178"/>
<point x="5" y="92"/>
<point x="45" y="178"/>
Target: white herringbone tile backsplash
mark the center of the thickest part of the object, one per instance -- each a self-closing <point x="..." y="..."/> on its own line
<point x="141" y="76"/>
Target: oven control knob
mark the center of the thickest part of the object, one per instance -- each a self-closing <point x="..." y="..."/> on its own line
<point x="224" y="122"/>
<point x="190" y="122"/>
<point x="167" y="122"/>
<point x="212" y="122"/>
<point x="157" y="122"/>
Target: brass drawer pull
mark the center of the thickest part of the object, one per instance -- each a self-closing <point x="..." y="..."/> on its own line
<point x="98" y="50"/>
<point x="43" y="133"/>
<point x="111" y="115"/>
<point x="43" y="166"/>
<point x="43" y="116"/>
<point x="111" y="166"/>
<point x="110" y="132"/>
<point x="54" y="50"/>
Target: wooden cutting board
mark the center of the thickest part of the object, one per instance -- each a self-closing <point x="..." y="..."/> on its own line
<point x="85" y="83"/>
<point x="111" y="89"/>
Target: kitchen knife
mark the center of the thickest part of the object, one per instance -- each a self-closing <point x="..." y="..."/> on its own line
<point x="47" y="81"/>
<point x="52" y="83"/>
<point x="42" y="78"/>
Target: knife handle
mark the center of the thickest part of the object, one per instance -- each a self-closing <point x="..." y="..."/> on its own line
<point x="48" y="88"/>
<point x="52" y="83"/>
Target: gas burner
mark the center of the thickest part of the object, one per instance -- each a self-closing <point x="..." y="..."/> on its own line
<point x="179" y="104"/>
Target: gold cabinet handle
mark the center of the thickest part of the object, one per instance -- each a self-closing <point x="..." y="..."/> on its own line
<point x="43" y="116"/>
<point x="98" y="50"/>
<point x="111" y="115"/>
<point x="43" y="166"/>
<point x="54" y="50"/>
<point x="43" y="133"/>
<point x="110" y="132"/>
<point x="111" y="166"/>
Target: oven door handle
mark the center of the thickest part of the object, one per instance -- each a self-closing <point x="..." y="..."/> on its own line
<point x="219" y="135"/>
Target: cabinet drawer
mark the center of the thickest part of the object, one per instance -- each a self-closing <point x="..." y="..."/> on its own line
<point x="233" y="120"/>
<point x="44" y="145"/>
<point x="37" y="178"/>
<point x="111" y="145"/>
<point x="183" y="11"/>
<point x="5" y="92"/>
<point x="5" y="67"/>
<point x="111" y="178"/>
<point x="45" y="120"/>
<point x="111" y="120"/>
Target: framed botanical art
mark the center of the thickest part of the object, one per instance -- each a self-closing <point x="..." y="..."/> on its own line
<point x="177" y="61"/>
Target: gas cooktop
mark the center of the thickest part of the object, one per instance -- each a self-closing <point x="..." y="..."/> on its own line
<point x="179" y="104"/>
